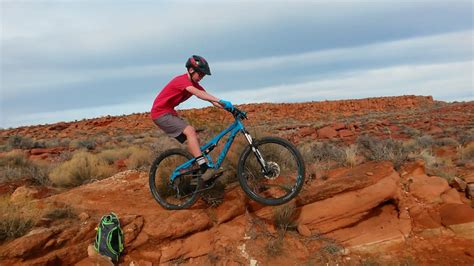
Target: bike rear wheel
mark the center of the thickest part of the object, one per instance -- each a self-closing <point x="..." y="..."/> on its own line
<point x="181" y="193"/>
<point x="284" y="180"/>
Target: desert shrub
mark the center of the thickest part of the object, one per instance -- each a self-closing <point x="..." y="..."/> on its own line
<point x="51" y="143"/>
<point x="350" y="155"/>
<point x="384" y="150"/>
<point x="425" y="141"/>
<point x="466" y="153"/>
<point x="412" y="132"/>
<point x="20" y="142"/>
<point x="88" y="144"/>
<point x="112" y="155"/>
<point x="81" y="168"/>
<point x="16" y="219"/>
<point x="446" y="142"/>
<point x="60" y="213"/>
<point x="323" y="152"/>
<point x="437" y="166"/>
<point x="283" y="217"/>
<point x="274" y="247"/>
<point x="15" y="165"/>
<point x="466" y="137"/>
<point x="139" y="158"/>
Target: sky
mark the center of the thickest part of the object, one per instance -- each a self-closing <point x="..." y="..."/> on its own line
<point x="73" y="59"/>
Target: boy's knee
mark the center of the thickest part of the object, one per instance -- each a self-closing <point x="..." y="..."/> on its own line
<point x="190" y="132"/>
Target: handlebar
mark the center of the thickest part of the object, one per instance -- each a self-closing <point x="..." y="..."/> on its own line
<point x="239" y="114"/>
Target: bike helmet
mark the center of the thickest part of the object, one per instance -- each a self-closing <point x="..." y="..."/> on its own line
<point x="198" y="63"/>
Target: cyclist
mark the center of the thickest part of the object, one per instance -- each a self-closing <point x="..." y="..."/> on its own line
<point x="178" y="90"/>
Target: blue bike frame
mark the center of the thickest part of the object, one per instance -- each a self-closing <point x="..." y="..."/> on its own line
<point x="234" y="128"/>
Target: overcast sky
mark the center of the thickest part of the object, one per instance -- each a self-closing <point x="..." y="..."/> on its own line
<point x="74" y="59"/>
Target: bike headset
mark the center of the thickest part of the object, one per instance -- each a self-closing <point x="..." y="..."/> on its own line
<point x="199" y="64"/>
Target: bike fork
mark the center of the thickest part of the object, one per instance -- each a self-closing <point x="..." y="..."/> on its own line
<point x="257" y="153"/>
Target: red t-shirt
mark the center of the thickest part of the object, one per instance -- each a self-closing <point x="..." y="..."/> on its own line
<point x="172" y="95"/>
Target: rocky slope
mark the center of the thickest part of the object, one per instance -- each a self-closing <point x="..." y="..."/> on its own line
<point x="369" y="213"/>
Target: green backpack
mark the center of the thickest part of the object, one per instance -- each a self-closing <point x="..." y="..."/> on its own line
<point x="109" y="239"/>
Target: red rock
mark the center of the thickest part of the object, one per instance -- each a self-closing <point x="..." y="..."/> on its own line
<point x="303" y="230"/>
<point x="327" y="133"/>
<point x="28" y="245"/>
<point x="456" y="214"/>
<point x="451" y="196"/>
<point x="345" y="133"/>
<point x="428" y="188"/>
<point x="338" y="126"/>
<point x="307" y="131"/>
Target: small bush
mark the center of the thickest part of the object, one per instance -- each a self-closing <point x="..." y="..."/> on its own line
<point x="112" y="155"/>
<point x="467" y="137"/>
<point x="81" y="168"/>
<point x="446" y="142"/>
<point x="283" y="217"/>
<point x="425" y="141"/>
<point x="467" y="153"/>
<point x="350" y="155"/>
<point x="20" y="142"/>
<point x="274" y="247"/>
<point x="60" y="213"/>
<point x="88" y="144"/>
<point x="323" y="152"/>
<point x="139" y="158"/>
<point x="384" y="150"/>
<point x="15" y="165"/>
<point x="16" y="219"/>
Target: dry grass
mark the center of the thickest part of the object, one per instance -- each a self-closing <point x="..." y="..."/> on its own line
<point x="15" y="165"/>
<point x="466" y="153"/>
<point x="284" y="216"/>
<point x="350" y="155"/>
<point x="385" y="150"/>
<point x="16" y="218"/>
<point x="81" y="168"/>
<point x="140" y="158"/>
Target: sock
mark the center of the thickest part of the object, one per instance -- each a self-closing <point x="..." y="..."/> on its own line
<point x="202" y="163"/>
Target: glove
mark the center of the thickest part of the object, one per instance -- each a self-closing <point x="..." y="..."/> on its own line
<point x="227" y="105"/>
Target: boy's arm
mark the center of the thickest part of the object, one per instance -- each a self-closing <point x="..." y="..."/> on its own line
<point x="204" y="96"/>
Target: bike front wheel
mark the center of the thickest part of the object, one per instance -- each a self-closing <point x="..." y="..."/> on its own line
<point x="284" y="178"/>
<point x="184" y="190"/>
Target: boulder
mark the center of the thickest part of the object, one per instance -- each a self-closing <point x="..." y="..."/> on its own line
<point x="428" y="188"/>
<point x="327" y="133"/>
<point x="30" y="244"/>
<point x="347" y="208"/>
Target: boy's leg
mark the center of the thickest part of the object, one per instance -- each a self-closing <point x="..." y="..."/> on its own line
<point x="193" y="147"/>
<point x="193" y="142"/>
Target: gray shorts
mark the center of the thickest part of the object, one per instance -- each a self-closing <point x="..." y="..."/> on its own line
<point x="172" y="125"/>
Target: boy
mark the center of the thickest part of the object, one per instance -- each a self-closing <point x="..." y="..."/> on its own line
<point x="178" y="90"/>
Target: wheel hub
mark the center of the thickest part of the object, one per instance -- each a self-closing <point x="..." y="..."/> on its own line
<point x="273" y="170"/>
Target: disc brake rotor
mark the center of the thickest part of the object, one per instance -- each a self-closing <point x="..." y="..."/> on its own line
<point x="273" y="170"/>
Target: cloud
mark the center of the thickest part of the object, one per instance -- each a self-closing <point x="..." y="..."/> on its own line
<point x="448" y="81"/>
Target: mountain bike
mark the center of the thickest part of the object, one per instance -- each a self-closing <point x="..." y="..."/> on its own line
<point x="270" y="170"/>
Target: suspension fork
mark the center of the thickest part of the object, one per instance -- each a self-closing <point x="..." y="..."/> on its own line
<point x="255" y="151"/>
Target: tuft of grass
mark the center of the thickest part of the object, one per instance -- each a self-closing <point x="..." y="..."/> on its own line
<point x="88" y="144"/>
<point x="139" y="158"/>
<point x="16" y="219"/>
<point x="283" y="217"/>
<point x="60" y="213"/>
<point x="81" y="168"/>
<point x="466" y="153"/>
<point x="20" y="142"/>
<point x="446" y="142"/>
<point x="384" y="150"/>
<point x="350" y="155"/>
<point x="274" y="247"/>
<point x="425" y="141"/>
<point x="15" y="165"/>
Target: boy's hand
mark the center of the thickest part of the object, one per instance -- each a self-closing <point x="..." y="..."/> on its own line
<point x="227" y="105"/>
